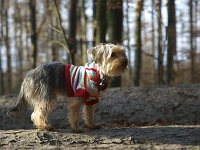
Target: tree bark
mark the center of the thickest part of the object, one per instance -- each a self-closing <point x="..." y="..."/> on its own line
<point x="34" y="49"/>
<point x="72" y="28"/>
<point x="192" y="50"/>
<point x="101" y="21"/>
<point x="115" y="25"/>
<point x="8" y="53"/>
<point x="54" y="35"/>
<point x="171" y="38"/>
<point x="1" y="44"/>
<point x="18" y="42"/>
<point x="83" y="33"/>
<point x="160" y="72"/>
<point x="138" y="42"/>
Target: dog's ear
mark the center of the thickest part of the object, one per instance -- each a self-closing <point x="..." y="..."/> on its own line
<point x="96" y="53"/>
<point x="91" y="52"/>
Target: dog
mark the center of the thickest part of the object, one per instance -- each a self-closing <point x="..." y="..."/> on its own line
<point x="81" y="85"/>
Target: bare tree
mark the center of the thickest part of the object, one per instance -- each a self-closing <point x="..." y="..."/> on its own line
<point x="18" y="41"/>
<point x="101" y="21"/>
<point x="9" y="84"/>
<point x="138" y="42"/>
<point x="66" y="45"/>
<point x="53" y="34"/>
<point x="1" y="45"/>
<point x="33" y="21"/>
<point x="159" y="44"/>
<point x="72" y="28"/>
<point x="171" y="38"/>
<point x="83" y="32"/>
<point x="115" y="28"/>
<point x="192" y="50"/>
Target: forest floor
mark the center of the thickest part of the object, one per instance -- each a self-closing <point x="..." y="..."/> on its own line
<point x="20" y="134"/>
<point x="149" y="137"/>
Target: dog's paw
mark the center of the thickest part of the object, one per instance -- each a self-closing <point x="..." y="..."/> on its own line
<point x="49" y="128"/>
<point x="46" y="127"/>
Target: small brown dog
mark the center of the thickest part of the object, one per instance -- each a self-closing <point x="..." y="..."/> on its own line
<point x="80" y="84"/>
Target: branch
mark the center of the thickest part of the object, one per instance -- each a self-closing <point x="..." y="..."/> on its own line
<point x="55" y="28"/>
<point x="42" y="22"/>
<point x="150" y="55"/>
<point x="62" y="29"/>
<point x="59" y="43"/>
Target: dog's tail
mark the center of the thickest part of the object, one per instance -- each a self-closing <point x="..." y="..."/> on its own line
<point x="21" y="106"/>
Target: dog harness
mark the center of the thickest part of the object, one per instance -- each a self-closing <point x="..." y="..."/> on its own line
<point x="84" y="82"/>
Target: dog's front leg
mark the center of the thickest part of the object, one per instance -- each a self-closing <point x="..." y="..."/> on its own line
<point x="74" y="106"/>
<point x="89" y="117"/>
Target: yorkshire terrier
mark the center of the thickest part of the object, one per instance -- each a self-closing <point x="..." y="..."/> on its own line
<point x="81" y="85"/>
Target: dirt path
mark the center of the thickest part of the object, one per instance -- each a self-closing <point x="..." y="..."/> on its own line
<point x="123" y="112"/>
<point x="151" y="137"/>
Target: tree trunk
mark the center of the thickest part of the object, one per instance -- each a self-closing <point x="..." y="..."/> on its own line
<point x="192" y="50"/>
<point x="83" y="33"/>
<point x="171" y="38"/>
<point x="1" y="44"/>
<point x="8" y="53"/>
<point x="115" y="25"/>
<point x="160" y="79"/>
<point x="18" y="42"/>
<point x="101" y="21"/>
<point x="54" y="35"/>
<point x="138" y="42"/>
<point x="34" y="50"/>
<point x="153" y="40"/>
<point x="128" y="38"/>
<point x="72" y="28"/>
<point x="94" y="20"/>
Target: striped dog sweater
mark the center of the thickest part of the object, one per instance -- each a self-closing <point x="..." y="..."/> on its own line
<point x="84" y="82"/>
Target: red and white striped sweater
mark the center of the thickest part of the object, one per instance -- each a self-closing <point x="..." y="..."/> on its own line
<point x="84" y="81"/>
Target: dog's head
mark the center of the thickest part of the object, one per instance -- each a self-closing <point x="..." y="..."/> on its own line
<point x="111" y="59"/>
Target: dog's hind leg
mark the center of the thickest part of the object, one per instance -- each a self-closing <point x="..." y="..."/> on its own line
<point x="74" y="106"/>
<point x="41" y="113"/>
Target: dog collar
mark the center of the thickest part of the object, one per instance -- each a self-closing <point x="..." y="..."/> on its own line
<point x="103" y="82"/>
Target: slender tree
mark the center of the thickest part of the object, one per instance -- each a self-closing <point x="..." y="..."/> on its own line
<point x="171" y="38"/>
<point x="53" y="34"/>
<point x="159" y="44"/>
<point x="8" y="52"/>
<point x="192" y="50"/>
<point x="101" y="21"/>
<point x="34" y="49"/>
<point x="128" y="37"/>
<point x="94" y="20"/>
<point x="72" y="28"/>
<point x="66" y="45"/>
<point x="1" y="45"/>
<point x="138" y="42"/>
<point x="153" y="37"/>
<point x="83" y="32"/>
<point x="115" y="28"/>
<point x="18" y="41"/>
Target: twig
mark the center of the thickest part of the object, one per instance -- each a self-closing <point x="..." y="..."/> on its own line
<point x="58" y="42"/>
<point x="62" y="29"/>
<point x="55" y="28"/>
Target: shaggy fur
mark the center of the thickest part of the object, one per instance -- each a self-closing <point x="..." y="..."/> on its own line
<point x="43" y="84"/>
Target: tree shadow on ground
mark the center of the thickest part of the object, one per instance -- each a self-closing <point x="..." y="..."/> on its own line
<point x="184" y="135"/>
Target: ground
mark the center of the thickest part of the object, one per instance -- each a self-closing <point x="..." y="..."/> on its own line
<point x="149" y="137"/>
<point x="159" y="118"/>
